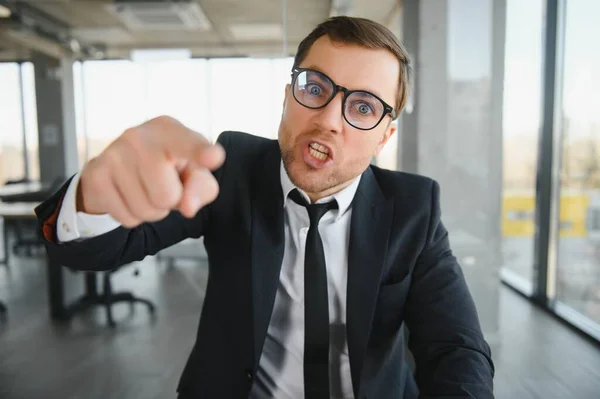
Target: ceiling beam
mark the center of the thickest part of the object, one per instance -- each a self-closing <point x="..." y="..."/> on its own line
<point x="256" y="49"/>
<point x="31" y="41"/>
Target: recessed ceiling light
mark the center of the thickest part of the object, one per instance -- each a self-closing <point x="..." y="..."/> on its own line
<point x="149" y="55"/>
<point x="256" y="31"/>
<point x="5" y="12"/>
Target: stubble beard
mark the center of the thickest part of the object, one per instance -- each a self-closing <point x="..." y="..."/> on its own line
<point x="326" y="180"/>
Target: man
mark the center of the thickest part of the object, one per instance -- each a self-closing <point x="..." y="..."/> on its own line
<point x="316" y="258"/>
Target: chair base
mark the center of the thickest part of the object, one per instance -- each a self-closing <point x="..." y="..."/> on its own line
<point x="106" y="301"/>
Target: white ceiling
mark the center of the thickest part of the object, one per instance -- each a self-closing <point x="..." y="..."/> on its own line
<point x="237" y="27"/>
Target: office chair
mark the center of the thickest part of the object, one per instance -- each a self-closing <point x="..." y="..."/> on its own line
<point x="107" y="298"/>
<point x="18" y="226"/>
<point x="26" y="232"/>
<point x="27" y="238"/>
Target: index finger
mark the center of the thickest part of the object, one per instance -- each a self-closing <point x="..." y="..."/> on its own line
<point x="180" y="142"/>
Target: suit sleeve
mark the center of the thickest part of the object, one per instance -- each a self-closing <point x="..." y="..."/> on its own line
<point x="122" y="245"/>
<point x="451" y="355"/>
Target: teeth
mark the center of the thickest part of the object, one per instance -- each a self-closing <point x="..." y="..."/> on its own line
<point x="319" y="147"/>
<point x="319" y="155"/>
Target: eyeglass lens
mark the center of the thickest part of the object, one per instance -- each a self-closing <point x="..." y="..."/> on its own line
<point x="361" y="109"/>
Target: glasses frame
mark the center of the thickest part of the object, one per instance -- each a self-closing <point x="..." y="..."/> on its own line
<point x="387" y="109"/>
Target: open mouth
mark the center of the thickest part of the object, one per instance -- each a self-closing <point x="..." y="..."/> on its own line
<point x="318" y="151"/>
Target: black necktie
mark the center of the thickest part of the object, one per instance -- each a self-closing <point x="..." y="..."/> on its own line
<point x="316" y="304"/>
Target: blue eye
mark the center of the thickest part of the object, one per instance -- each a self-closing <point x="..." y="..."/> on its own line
<point x="313" y="89"/>
<point x="364" y="109"/>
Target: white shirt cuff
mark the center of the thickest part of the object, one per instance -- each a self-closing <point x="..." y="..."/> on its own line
<point x="73" y="225"/>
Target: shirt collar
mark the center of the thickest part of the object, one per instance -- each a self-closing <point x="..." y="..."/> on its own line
<point x="343" y="197"/>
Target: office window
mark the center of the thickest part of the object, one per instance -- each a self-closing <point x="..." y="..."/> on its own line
<point x="177" y="88"/>
<point x="12" y="160"/>
<point x="247" y="94"/>
<point x="30" y="120"/>
<point x="578" y="269"/>
<point x="209" y="96"/>
<point x="521" y="129"/>
<point x="113" y="96"/>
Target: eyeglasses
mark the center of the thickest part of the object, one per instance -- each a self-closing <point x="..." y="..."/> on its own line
<point x="361" y="109"/>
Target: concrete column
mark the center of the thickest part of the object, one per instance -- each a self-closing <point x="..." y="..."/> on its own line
<point x="453" y="130"/>
<point x="55" y="98"/>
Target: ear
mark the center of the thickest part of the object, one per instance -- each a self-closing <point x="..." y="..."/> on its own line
<point x="288" y="88"/>
<point x="389" y="131"/>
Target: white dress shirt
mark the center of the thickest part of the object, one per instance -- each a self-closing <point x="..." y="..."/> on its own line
<point x="72" y="225"/>
<point x="280" y="373"/>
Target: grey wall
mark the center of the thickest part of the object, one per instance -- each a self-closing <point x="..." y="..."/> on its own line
<point x="453" y="133"/>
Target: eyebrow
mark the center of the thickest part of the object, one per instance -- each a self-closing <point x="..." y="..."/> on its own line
<point x="316" y="68"/>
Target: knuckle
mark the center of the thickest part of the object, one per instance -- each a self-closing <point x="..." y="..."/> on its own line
<point x="165" y="197"/>
<point x="99" y="179"/>
<point x="111" y="158"/>
<point x="163" y="120"/>
<point x="132" y="132"/>
<point x="131" y="141"/>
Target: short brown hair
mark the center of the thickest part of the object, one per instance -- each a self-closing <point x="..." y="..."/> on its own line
<point x="368" y="34"/>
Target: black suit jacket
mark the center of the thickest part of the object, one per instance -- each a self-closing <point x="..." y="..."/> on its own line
<point x="400" y="269"/>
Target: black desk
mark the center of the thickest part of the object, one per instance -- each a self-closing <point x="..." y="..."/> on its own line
<point x="20" y="188"/>
<point x="59" y="310"/>
<point x="22" y="191"/>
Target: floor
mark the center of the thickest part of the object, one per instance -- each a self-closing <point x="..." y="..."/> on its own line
<point x="541" y="358"/>
<point x="538" y="358"/>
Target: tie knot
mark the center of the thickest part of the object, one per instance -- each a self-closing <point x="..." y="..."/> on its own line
<point x="315" y="211"/>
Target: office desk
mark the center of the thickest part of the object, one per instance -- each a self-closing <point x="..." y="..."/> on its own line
<point x="14" y="211"/>
<point x="59" y="310"/>
<point x="23" y="188"/>
<point x="18" y="210"/>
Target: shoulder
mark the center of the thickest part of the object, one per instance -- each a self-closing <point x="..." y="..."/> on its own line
<point x="244" y="142"/>
<point x="408" y="189"/>
<point x="246" y="155"/>
<point x="394" y="183"/>
<point x="244" y="149"/>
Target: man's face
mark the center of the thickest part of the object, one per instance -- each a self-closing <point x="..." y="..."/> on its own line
<point x="302" y="130"/>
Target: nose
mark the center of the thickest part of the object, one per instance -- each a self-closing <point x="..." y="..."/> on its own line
<point x="330" y="117"/>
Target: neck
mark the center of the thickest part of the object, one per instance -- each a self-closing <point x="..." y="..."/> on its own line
<point x="314" y="197"/>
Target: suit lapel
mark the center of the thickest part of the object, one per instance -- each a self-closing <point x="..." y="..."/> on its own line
<point x="369" y="233"/>
<point x="268" y="241"/>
